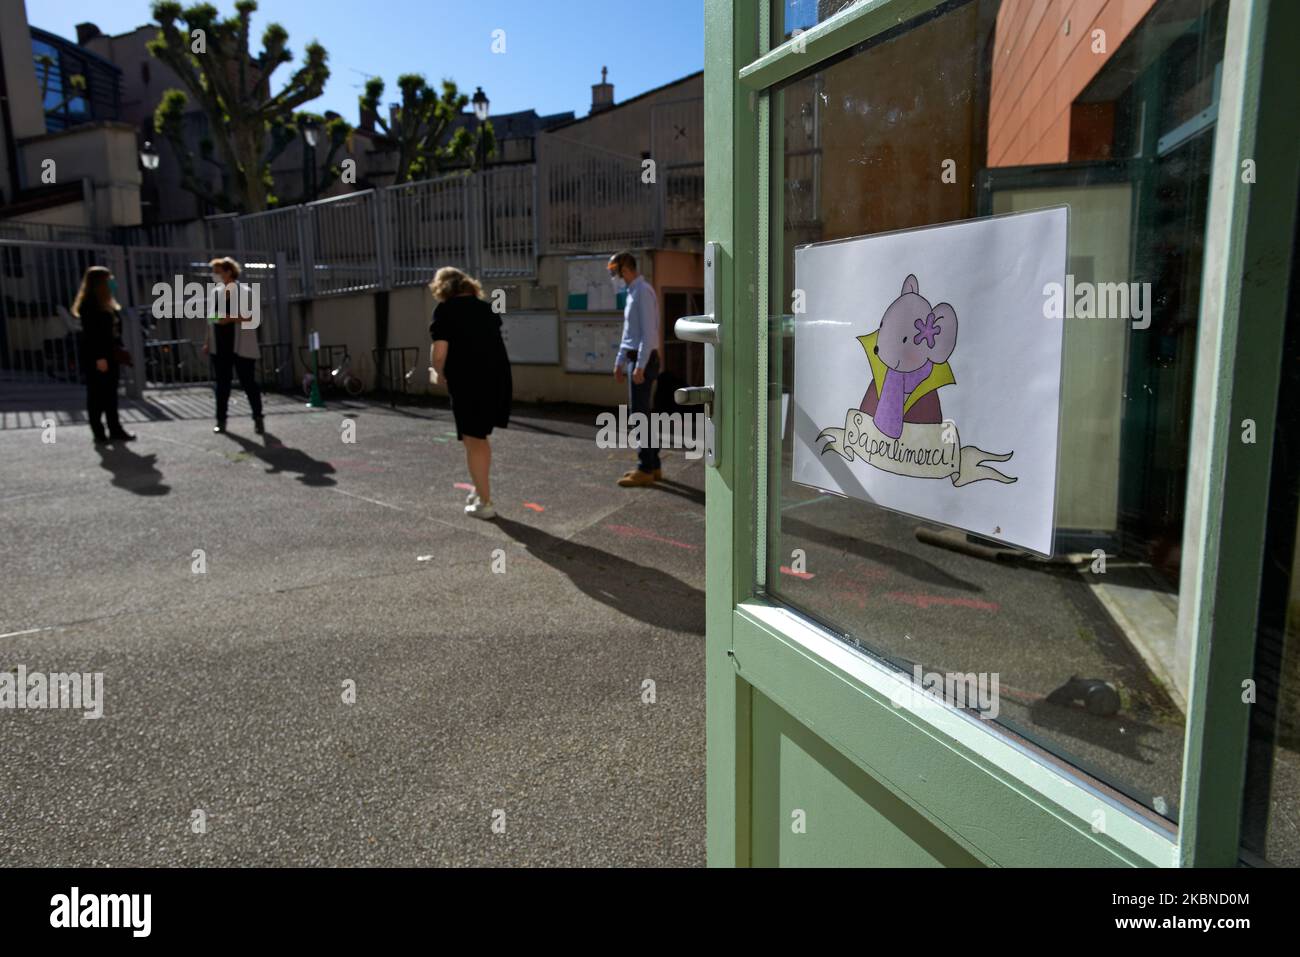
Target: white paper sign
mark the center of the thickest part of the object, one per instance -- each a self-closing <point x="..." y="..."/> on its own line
<point x="893" y="406"/>
<point x="532" y="338"/>
<point x="591" y="345"/>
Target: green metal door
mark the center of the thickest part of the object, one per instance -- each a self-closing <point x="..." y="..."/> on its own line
<point x="827" y="121"/>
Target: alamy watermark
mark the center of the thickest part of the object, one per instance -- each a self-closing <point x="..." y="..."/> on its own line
<point x="974" y="691"/>
<point x="653" y="430"/>
<point x="21" y="690"/>
<point x="179" y="299"/>
<point x="1098" y="300"/>
<point x="127" y="911"/>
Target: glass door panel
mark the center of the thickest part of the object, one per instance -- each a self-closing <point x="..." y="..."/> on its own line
<point x="980" y="109"/>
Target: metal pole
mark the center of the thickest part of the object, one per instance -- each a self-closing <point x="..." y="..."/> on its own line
<point x="132" y="333"/>
<point x="283" y="324"/>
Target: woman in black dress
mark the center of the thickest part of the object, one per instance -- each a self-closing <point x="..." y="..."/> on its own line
<point x="101" y="338"/>
<point x="470" y="355"/>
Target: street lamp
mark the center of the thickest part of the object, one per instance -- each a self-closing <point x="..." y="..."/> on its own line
<point x="310" y="135"/>
<point x="480" y="102"/>
<point x="148" y="156"/>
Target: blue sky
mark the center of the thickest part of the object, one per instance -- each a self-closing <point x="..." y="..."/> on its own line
<point x="554" y="48"/>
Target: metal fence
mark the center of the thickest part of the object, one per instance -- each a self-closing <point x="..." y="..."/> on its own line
<point x="39" y="337"/>
<point x="159" y="285"/>
<point x="484" y="222"/>
<point x="427" y="222"/>
<point x="594" y="198"/>
<point x="343" y="242"/>
<point x="163" y="323"/>
<point x="495" y="223"/>
<point x="506" y="227"/>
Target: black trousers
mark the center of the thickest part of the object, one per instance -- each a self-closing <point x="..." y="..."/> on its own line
<point x="226" y="364"/>
<point x="640" y="399"/>
<point x="101" y="399"/>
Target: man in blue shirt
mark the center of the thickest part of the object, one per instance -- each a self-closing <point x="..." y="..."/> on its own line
<point x="638" y="360"/>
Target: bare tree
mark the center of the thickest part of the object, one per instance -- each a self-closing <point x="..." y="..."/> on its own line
<point x="249" y="125"/>
<point x="419" y="124"/>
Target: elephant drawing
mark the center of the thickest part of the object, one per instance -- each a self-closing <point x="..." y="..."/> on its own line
<point x="908" y="356"/>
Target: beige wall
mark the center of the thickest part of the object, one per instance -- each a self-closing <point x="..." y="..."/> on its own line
<point x="104" y="153"/>
<point x="351" y="320"/>
<point x="69" y="214"/>
<point x="340" y="320"/>
<point x="626" y="129"/>
<point x="25" y="113"/>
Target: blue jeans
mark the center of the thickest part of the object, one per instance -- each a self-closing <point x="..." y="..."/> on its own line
<point x="638" y="400"/>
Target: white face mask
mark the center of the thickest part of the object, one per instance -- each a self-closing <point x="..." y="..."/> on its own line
<point x="618" y="283"/>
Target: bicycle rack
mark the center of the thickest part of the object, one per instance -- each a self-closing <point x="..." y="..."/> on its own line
<point x="396" y="367"/>
<point x="277" y="366"/>
<point x="331" y="357"/>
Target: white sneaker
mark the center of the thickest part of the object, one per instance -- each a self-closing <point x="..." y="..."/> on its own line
<point x="472" y="497"/>
<point x="480" y="509"/>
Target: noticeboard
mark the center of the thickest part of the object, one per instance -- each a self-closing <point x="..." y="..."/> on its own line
<point x="591" y="345"/>
<point x="589" y="288"/>
<point x="532" y="338"/>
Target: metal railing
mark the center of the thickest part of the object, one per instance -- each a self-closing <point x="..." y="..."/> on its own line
<point x="397" y="236"/>
<point x="682" y="197"/>
<point x="506" y="224"/>
<point x="594" y="198"/>
<point x="281" y="230"/>
<point x="39" y="336"/>
<point x="428" y="225"/>
<point x="343" y="238"/>
<point x="496" y="222"/>
<point x="162" y="326"/>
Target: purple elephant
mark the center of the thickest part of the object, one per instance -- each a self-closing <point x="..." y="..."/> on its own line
<point x="913" y="338"/>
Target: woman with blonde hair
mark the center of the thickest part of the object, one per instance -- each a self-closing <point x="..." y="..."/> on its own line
<point x="232" y="344"/>
<point x="101" y="342"/>
<point x="469" y="353"/>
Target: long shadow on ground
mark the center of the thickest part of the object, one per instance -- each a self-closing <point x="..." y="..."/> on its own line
<point x="646" y="594"/>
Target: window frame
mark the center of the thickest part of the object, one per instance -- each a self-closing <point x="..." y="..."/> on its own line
<point x="831" y="687"/>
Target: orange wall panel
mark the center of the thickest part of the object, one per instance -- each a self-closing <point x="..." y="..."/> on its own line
<point x="1039" y="70"/>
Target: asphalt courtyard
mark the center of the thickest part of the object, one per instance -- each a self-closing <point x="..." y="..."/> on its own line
<point x="311" y="656"/>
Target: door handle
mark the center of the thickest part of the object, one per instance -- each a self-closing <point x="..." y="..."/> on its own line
<point x="697" y="329"/>
<point x="694" y="395"/>
<point x="705" y="329"/>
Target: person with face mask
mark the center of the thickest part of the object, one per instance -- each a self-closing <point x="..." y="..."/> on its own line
<point x="638" y="358"/>
<point x="101" y="349"/>
<point x="231" y="341"/>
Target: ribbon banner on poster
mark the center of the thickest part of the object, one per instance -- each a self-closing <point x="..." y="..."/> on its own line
<point x="924" y="450"/>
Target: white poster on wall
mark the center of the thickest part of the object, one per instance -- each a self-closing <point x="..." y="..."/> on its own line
<point x="893" y="406"/>
<point x="531" y="338"/>
<point x="591" y="345"/>
<point x="589" y="288"/>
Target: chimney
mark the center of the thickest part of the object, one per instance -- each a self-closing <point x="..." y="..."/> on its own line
<point x="602" y="93"/>
<point x="86" y="32"/>
<point x="368" y="120"/>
